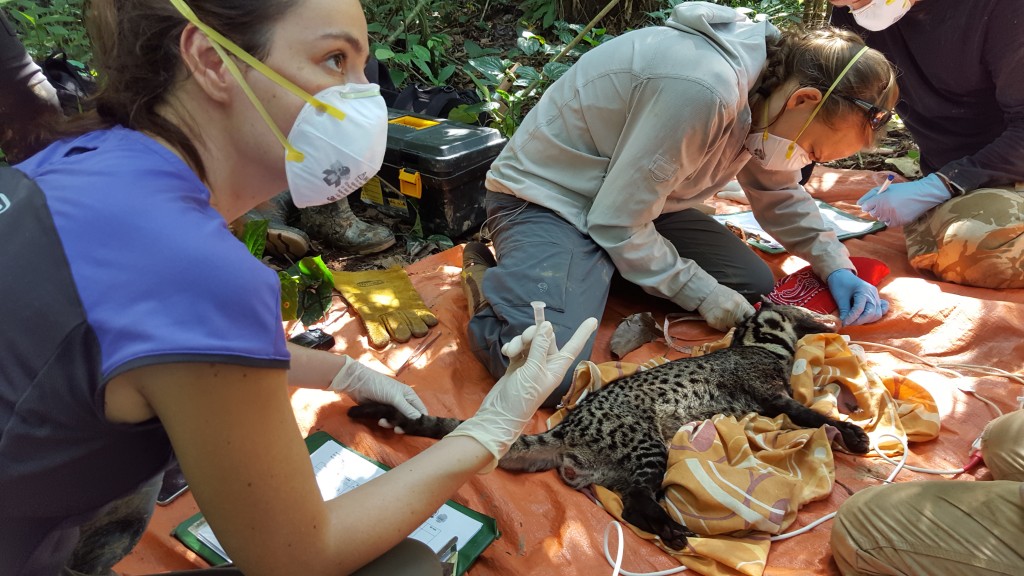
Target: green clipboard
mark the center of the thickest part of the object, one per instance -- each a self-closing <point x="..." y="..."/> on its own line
<point x="845" y="226"/>
<point x="188" y="531"/>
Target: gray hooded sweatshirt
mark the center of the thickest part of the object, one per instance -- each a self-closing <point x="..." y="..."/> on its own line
<point x="651" y="122"/>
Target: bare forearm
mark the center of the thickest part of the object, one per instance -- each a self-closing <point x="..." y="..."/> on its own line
<point x="402" y="499"/>
<point x="312" y="368"/>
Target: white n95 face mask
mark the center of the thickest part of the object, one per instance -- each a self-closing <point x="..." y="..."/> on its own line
<point x="880" y="14"/>
<point x="338" y="140"/>
<point x="337" y="156"/>
<point x="776" y="153"/>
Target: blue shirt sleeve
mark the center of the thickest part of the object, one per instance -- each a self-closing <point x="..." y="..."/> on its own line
<point x="160" y="276"/>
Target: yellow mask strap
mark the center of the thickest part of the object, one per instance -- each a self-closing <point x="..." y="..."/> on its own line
<point x="792" y="145"/>
<point x="291" y="153"/>
<point x="219" y="42"/>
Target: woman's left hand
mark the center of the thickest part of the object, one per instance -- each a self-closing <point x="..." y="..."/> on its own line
<point x="364" y="384"/>
<point x="858" y="301"/>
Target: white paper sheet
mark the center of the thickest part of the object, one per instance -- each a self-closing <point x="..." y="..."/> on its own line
<point x="338" y="470"/>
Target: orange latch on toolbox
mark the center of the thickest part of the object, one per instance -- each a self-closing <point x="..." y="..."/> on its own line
<point x="410" y="183"/>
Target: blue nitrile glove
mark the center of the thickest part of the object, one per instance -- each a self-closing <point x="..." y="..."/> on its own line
<point x="858" y="301"/>
<point x="903" y="203"/>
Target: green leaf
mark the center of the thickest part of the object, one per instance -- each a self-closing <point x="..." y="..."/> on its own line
<point x="445" y="73"/>
<point x="313" y="271"/>
<point x="289" y="296"/>
<point x="313" y="285"/>
<point x="483" y="87"/>
<point x="58" y="31"/>
<point x="490" y="66"/>
<point x="460" y="114"/>
<point x="398" y="77"/>
<point x="25" y="17"/>
<point x="55" y="18"/>
<point x="443" y="242"/>
<point x="525" y="75"/>
<point x="421" y="52"/>
<point x="528" y="45"/>
<point x="470" y="113"/>
<point x="425" y="68"/>
<point x="254" y="235"/>
<point x="474" y="50"/>
<point x="554" y="70"/>
<point x="316" y="304"/>
<point x="383" y="54"/>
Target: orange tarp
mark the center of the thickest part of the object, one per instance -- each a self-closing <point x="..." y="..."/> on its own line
<point x="548" y="528"/>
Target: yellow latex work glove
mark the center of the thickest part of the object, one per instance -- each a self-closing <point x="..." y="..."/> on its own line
<point x="387" y="303"/>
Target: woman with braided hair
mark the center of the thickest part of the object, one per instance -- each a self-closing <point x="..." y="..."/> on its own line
<point x="607" y="172"/>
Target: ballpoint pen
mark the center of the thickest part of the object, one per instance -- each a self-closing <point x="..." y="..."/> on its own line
<point x="885" y="185"/>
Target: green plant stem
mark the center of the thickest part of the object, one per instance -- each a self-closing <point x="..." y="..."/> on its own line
<point x="590" y="25"/>
<point x="405" y="23"/>
<point x="483" y="13"/>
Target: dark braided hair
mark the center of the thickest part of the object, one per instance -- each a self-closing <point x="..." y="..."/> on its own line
<point x="815" y="58"/>
<point x="136" y="44"/>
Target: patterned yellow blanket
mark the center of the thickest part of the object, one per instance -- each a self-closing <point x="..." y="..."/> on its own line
<point x="738" y="482"/>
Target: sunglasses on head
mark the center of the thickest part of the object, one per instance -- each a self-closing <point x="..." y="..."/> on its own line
<point x="877" y="117"/>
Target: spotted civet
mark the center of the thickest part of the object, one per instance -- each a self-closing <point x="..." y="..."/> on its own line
<point x="618" y="437"/>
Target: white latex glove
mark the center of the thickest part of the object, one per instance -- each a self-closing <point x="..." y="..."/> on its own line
<point x="724" y="308"/>
<point x="535" y="369"/>
<point x="364" y="384"/>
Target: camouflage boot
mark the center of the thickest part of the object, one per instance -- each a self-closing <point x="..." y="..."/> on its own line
<point x="283" y="241"/>
<point x="336" y="225"/>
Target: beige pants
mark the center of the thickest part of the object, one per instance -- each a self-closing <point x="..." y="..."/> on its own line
<point x="976" y="239"/>
<point x="939" y="528"/>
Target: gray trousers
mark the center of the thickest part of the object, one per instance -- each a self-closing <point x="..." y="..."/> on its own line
<point x="542" y="257"/>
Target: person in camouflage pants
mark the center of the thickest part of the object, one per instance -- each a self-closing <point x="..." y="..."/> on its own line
<point x="962" y="99"/>
<point x="976" y="239"/>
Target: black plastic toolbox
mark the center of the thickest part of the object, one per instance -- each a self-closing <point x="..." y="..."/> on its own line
<point x="434" y="167"/>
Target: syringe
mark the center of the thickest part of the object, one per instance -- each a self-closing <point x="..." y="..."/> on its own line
<point x="538" y="312"/>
